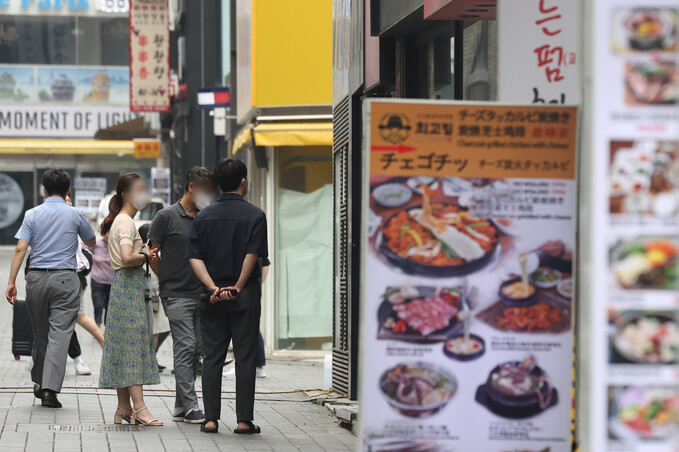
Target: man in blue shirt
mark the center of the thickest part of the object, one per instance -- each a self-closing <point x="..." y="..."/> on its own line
<point x="52" y="285"/>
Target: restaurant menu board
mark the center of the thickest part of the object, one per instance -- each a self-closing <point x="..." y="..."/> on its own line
<point x="634" y="332"/>
<point x="467" y="309"/>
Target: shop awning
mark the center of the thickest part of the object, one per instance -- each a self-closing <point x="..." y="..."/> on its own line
<point x="67" y="147"/>
<point x="286" y="134"/>
<point x="128" y="130"/>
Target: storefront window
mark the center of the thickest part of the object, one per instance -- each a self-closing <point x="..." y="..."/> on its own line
<point x="64" y="40"/>
<point x="303" y="255"/>
<point x="16" y="196"/>
<point x="480" y="63"/>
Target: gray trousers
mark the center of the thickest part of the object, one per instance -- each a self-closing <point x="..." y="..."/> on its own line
<point x="53" y="300"/>
<point x="187" y="348"/>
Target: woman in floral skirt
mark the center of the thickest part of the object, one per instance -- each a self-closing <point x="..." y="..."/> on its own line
<point x="129" y="361"/>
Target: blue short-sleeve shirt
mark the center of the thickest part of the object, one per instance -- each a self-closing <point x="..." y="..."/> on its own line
<point x="52" y="229"/>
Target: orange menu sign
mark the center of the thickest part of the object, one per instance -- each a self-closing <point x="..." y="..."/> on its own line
<point x="473" y="140"/>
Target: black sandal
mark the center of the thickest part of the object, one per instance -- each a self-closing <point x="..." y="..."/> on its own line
<point x="248" y="431"/>
<point x="204" y="429"/>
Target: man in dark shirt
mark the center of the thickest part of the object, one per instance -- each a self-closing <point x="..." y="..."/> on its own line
<point x="180" y="290"/>
<point x="225" y="241"/>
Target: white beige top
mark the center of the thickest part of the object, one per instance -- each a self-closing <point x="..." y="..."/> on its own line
<point x="123" y="232"/>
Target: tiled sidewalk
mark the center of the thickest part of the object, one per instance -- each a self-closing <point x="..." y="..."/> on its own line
<point x="289" y="421"/>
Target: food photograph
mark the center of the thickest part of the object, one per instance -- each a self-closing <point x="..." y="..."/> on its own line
<point x="645" y="29"/>
<point x="517" y="390"/>
<point x="470" y="310"/>
<point x="425" y="232"/>
<point x="536" y="300"/>
<point x="645" y="263"/>
<point x="417" y="389"/>
<point x="651" y="83"/>
<point x="644" y="337"/>
<point x="643" y="413"/>
<point x="406" y="445"/>
<point x="420" y="314"/>
<point x="644" y="178"/>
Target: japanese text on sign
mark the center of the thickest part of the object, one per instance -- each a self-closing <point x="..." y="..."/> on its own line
<point x="474" y="141"/>
<point x="149" y="56"/>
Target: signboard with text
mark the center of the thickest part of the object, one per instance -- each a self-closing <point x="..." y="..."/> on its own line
<point x="149" y="56"/>
<point x="538" y="59"/>
<point x="145" y="149"/>
<point x="467" y="283"/>
<point x="59" y="121"/>
<point x="63" y="7"/>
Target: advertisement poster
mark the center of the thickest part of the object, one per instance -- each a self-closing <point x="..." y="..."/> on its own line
<point x="538" y="59"/>
<point x="89" y="191"/>
<point x="161" y="184"/>
<point x="467" y="285"/>
<point x="149" y="56"/>
<point x="65" y="85"/>
<point x="634" y="331"/>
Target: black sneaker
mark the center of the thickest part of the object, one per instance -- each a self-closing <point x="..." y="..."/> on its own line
<point x="179" y="417"/>
<point x="194" y="416"/>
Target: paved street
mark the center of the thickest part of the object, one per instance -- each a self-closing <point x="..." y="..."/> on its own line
<point x="288" y="419"/>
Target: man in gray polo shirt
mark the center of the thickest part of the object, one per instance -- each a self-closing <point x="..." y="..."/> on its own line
<point x="52" y="285"/>
<point x="180" y="289"/>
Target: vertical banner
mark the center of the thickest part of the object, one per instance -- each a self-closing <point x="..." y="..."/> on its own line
<point x="467" y="277"/>
<point x="161" y="184"/>
<point x="149" y="56"/>
<point x="538" y="59"/>
<point x="634" y="331"/>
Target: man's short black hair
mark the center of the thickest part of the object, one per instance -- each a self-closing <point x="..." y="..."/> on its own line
<point x="200" y="175"/>
<point x="230" y="173"/>
<point x="56" y="182"/>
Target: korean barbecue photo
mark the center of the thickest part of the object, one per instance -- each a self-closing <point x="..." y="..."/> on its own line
<point x="420" y="314"/>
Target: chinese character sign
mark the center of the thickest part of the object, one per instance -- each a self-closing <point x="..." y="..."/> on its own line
<point x="467" y="259"/>
<point x="149" y="56"/>
<point x="539" y="64"/>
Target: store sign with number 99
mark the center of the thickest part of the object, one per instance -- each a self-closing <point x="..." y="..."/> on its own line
<point x="114" y="6"/>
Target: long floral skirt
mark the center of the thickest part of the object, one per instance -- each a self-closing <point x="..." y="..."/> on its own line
<point x="129" y="358"/>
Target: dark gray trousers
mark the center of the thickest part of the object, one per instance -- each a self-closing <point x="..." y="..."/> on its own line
<point x="53" y="300"/>
<point x="220" y="323"/>
<point x="187" y="346"/>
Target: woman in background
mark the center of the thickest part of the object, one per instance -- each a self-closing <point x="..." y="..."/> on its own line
<point x="129" y="361"/>
<point x="102" y="278"/>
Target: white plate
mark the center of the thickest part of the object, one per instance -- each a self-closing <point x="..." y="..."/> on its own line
<point x="548" y="285"/>
<point x="561" y="288"/>
<point x="510" y="229"/>
<point x="392" y="195"/>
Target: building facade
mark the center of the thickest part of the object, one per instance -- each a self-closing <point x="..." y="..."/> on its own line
<point x="283" y="79"/>
<point x="64" y="77"/>
<point x="391" y="48"/>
